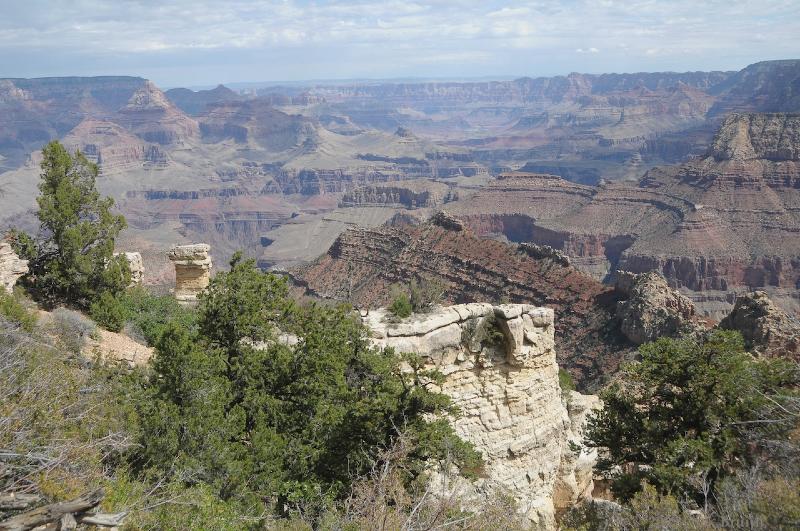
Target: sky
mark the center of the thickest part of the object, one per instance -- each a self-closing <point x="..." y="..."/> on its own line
<point x="204" y="42"/>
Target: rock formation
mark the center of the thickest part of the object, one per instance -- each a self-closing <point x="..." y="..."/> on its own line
<point x="152" y="117"/>
<point x="652" y="309"/>
<point x="11" y="267"/>
<point x="363" y="264"/>
<point x="135" y="265"/>
<point x="722" y="222"/>
<point x="767" y="329"/>
<point x="408" y="194"/>
<point x="500" y="370"/>
<point x="192" y="270"/>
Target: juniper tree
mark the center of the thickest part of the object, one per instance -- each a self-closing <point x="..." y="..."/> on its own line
<point x="71" y="259"/>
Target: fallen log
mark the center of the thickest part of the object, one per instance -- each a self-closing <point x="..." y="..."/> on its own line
<point x="103" y="519"/>
<point x="51" y="513"/>
<point x="14" y="501"/>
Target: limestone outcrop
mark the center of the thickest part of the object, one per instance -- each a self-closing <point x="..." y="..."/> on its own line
<point x="136" y="266"/>
<point x="500" y="370"/>
<point x="652" y="309"/>
<point x="11" y="267"/>
<point x="767" y="329"/>
<point x="192" y="270"/>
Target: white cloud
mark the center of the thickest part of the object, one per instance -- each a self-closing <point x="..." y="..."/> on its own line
<point x="366" y="38"/>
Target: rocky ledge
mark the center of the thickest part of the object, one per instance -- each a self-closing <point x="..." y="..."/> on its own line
<point x="499" y="364"/>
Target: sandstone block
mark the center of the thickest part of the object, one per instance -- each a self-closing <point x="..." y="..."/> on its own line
<point x="192" y="270"/>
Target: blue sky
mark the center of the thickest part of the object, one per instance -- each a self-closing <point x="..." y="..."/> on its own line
<point x="200" y="42"/>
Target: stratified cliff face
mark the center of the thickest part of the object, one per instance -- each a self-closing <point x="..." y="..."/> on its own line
<point x="152" y="117"/>
<point x="742" y="228"/>
<point x="768" y="86"/>
<point x="408" y="194"/>
<point x="499" y="367"/>
<point x="728" y="220"/>
<point x="363" y="264"/>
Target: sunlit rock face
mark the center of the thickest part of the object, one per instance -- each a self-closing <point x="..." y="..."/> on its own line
<point x="192" y="270"/>
<point x="500" y="370"/>
<point x="11" y="267"/>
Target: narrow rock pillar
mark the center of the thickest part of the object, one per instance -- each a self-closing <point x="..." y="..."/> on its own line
<point x="192" y="270"/>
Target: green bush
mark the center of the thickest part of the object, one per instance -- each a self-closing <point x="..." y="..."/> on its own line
<point x="149" y="315"/>
<point x="565" y="381"/>
<point x="425" y="293"/>
<point x="108" y="312"/>
<point x="12" y="308"/>
<point x="688" y="414"/>
<point x="401" y="306"/>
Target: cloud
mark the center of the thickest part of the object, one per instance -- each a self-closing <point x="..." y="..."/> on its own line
<point x="206" y="41"/>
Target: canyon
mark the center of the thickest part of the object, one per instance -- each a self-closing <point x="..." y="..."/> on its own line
<point x="690" y="174"/>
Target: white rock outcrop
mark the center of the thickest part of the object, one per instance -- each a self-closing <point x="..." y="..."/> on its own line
<point x="192" y="270"/>
<point x="11" y="267"/>
<point x="500" y="370"/>
<point x="136" y="266"/>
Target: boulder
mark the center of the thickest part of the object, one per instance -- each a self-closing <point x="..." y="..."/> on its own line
<point x="136" y="266"/>
<point x="767" y="329"/>
<point x="11" y="267"/>
<point x="652" y="309"/>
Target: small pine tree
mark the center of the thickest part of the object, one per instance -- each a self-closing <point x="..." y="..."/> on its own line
<point x="72" y="258"/>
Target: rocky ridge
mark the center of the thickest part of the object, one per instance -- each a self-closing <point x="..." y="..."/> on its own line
<point x="652" y="309"/>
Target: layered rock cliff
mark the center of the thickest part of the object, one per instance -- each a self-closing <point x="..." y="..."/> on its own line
<point x="722" y="222"/>
<point x="499" y="367"/>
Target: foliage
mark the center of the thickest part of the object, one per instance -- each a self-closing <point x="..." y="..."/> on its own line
<point x="236" y="406"/>
<point x="425" y="293"/>
<point x="646" y="510"/>
<point x="108" y="312"/>
<point x="63" y="424"/>
<point x="401" y="306"/>
<point x="481" y="332"/>
<point x="14" y="310"/>
<point x="682" y="417"/>
<point x="151" y="314"/>
<point x="71" y="329"/>
<point x="565" y="381"/>
<point x="71" y="259"/>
